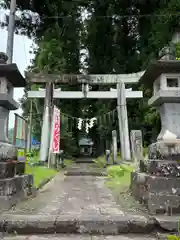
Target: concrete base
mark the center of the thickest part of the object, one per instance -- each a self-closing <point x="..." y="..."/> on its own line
<point x="159" y="194"/>
<point x="102" y="225"/>
<point x="7" y="152"/>
<point x="20" y="168"/>
<point x="14" y="189"/>
<point x="7" y="169"/>
<point x="11" y="168"/>
<point x="165" y="150"/>
<point x="158" y="187"/>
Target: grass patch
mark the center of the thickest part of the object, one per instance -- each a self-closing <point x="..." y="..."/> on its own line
<point x="68" y="162"/>
<point x="100" y="162"/>
<point x="119" y="177"/>
<point x="118" y="180"/>
<point x="40" y="173"/>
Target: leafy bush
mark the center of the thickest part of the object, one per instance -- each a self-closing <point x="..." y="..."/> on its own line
<point x="115" y="171"/>
<point x="119" y="155"/>
<point x="119" y="177"/>
<point x="173" y="237"/>
<point x="100" y="162"/>
<point x="119" y="171"/>
<point x="33" y="157"/>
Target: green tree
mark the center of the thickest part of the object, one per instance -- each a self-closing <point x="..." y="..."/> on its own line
<point x="58" y="51"/>
<point x="119" y="37"/>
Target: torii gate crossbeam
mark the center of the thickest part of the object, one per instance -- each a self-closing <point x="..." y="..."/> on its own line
<point x="79" y="95"/>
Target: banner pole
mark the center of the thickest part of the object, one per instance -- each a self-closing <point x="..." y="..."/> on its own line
<point x="51" y="136"/>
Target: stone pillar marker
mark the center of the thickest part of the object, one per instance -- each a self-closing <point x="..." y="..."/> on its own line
<point x="114" y="146"/>
<point x="12" y="186"/>
<point x="136" y="146"/>
<point x="159" y="186"/>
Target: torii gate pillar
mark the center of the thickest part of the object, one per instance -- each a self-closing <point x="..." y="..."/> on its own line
<point x="123" y="122"/>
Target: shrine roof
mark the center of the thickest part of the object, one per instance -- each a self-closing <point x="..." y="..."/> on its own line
<point x="13" y="75"/>
<point x="156" y="68"/>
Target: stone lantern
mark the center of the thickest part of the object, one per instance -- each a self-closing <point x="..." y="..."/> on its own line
<point x="158" y="183"/>
<point x="12" y="186"/>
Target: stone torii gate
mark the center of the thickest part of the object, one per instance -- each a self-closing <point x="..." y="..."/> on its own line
<point x="51" y="93"/>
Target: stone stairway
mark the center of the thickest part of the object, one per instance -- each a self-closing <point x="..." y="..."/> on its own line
<point x="84" y="169"/>
<point x="84" y="160"/>
<point x="80" y="237"/>
<point x="79" y="205"/>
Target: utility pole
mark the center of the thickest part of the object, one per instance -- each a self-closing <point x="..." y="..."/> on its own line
<point x="123" y="122"/>
<point x="11" y="27"/>
<point x="29" y="140"/>
<point x="10" y="41"/>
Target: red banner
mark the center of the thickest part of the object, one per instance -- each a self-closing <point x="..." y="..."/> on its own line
<point x="56" y="131"/>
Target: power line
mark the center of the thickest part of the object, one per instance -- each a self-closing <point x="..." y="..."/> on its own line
<point x="72" y="117"/>
<point x="113" y="16"/>
<point x="118" y="16"/>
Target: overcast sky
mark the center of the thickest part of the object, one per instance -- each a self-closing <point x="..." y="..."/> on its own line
<point x="21" y="57"/>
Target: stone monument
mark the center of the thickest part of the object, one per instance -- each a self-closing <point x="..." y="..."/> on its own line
<point x="13" y="183"/>
<point x="159" y="186"/>
<point x="136" y="146"/>
<point x="114" y="146"/>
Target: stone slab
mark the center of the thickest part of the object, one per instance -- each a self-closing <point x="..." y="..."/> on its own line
<point x="137" y="187"/>
<point x="137" y="145"/>
<point x="125" y="237"/>
<point x="84" y="161"/>
<point x="10" y="186"/>
<point x="165" y="150"/>
<point x="20" y="168"/>
<point x="7" y="152"/>
<point x="7" y="169"/>
<point x="80" y="237"/>
<point x="11" y="72"/>
<point x="163" y="185"/>
<point x="164" y="168"/>
<point x="33" y="224"/>
<point x="12" y="190"/>
<point x="159" y="194"/>
<point x="168" y="223"/>
<point x="163" y="203"/>
<point x="27" y="224"/>
<point x="81" y="173"/>
<point x="8" y="102"/>
<point x="11" y="237"/>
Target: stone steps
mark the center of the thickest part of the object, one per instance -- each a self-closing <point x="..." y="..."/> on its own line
<point x="81" y="237"/>
<point x="101" y="225"/>
<point x="83" y="173"/>
<point x="84" y="161"/>
<point x="95" y="222"/>
<point x="93" y="225"/>
<point x="83" y="169"/>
